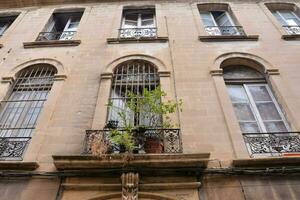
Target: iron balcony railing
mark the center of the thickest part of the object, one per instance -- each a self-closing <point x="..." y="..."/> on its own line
<point x="293" y="30"/>
<point x="225" y="30"/>
<point x="272" y="144"/>
<point x="64" y="35"/>
<point x="137" y="33"/>
<point x="13" y="148"/>
<point x="170" y="140"/>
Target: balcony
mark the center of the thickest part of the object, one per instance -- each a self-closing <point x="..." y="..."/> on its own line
<point x="13" y="148"/>
<point x="272" y="144"/>
<point x="138" y="33"/>
<point x="170" y="141"/>
<point x="64" y="35"/>
<point x="292" y="30"/>
<point x="225" y="30"/>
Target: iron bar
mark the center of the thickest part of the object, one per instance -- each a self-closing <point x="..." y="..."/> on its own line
<point x="13" y="148"/>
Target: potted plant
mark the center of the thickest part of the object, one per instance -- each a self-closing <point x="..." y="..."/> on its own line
<point x="153" y="117"/>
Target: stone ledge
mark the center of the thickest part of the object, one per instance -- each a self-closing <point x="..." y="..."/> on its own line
<point x="113" y="161"/>
<point x="225" y="38"/>
<point x="142" y="187"/>
<point x="12" y="165"/>
<point x="267" y="162"/>
<point x="291" y="37"/>
<point x="134" y="40"/>
<point x="51" y="43"/>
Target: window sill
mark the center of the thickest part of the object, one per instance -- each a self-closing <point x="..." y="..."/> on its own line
<point x="134" y="40"/>
<point x="291" y="37"/>
<point x="267" y="162"/>
<point x="225" y="38"/>
<point x="15" y="165"/>
<point x="51" y="43"/>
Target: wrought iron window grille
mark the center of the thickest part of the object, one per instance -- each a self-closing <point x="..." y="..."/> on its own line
<point x="170" y="138"/>
<point x="21" y="109"/>
<point x="138" y="33"/>
<point x="272" y="143"/>
<point x="292" y="30"/>
<point x="64" y="35"/>
<point x="225" y="30"/>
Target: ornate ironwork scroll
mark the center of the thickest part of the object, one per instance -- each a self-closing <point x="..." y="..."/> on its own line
<point x="171" y="139"/>
<point x="12" y="148"/>
<point x="274" y="144"/>
<point x="130" y="182"/>
<point x="65" y="35"/>
<point x="293" y="30"/>
<point x="225" y="30"/>
<point x="137" y="33"/>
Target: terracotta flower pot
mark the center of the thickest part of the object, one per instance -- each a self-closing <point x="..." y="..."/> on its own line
<point x="153" y="145"/>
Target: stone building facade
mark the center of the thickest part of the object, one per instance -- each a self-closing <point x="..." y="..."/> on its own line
<point x="233" y="63"/>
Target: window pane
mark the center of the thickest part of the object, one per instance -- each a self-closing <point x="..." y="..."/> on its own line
<point x="237" y="93"/>
<point x="268" y="111"/>
<point x="207" y="19"/>
<point x="243" y="111"/>
<point x="147" y="16"/>
<point x="275" y="126"/>
<point x="249" y="127"/>
<point x="221" y="18"/>
<point x="149" y="22"/>
<point x="259" y="93"/>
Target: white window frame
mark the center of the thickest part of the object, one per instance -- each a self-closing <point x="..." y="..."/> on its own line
<point x="255" y="111"/>
<point x="139" y="21"/>
<point x="292" y="12"/>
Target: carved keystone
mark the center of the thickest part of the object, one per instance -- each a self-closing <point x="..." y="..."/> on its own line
<point x="130" y="182"/>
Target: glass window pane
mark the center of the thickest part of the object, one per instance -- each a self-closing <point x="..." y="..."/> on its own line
<point x="148" y="22"/>
<point x="147" y="16"/>
<point x="259" y="93"/>
<point x="132" y="17"/>
<point x="237" y="93"/>
<point x="268" y="111"/>
<point x="207" y="19"/>
<point x="243" y="111"/>
<point x="249" y="127"/>
<point x="275" y="126"/>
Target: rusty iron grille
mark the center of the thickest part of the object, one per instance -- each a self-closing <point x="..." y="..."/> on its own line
<point x="171" y="140"/>
<point x="21" y="109"/>
<point x="134" y="76"/>
<point x="272" y="144"/>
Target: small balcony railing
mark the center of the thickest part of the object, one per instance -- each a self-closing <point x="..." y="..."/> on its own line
<point x="170" y="140"/>
<point x="225" y="30"/>
<point x="292" y="30"/>
<point x="13" y="148"/>
<point x="65" y="35"/>
<point x="272" y="144"/>
<point x="137" y="33"/>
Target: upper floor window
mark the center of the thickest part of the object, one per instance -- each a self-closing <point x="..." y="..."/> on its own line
<point x="138" y="23"/>
<point x="218" y="20"/>
<point x="133" y="76"/>
<point x="20" y="111"/>
<point x="61" y="26"/>
<point x="5" y="23"/>
<point x="254" y="104"/>
<point x="289" y="20"/>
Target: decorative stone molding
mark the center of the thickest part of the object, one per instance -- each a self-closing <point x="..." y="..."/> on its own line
<point x="217" y="72"/>
<point x="272" y="72"/>
<point x="106" y="75"/>
<point x="134" y="40"/>
<point x="267" y="162"/>
<point x="16" y="165"/>
<point x="60" y="77"/>
<point x="130" y="182"/>
<point x="164" y="73"/>
<point x="230" y="38"/>
<point x="8" y="79"/>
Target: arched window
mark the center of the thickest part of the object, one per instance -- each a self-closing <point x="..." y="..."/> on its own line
<point x="20" y="110"/>
<point x="254" y="104"/>
<point x="133" y="76"/>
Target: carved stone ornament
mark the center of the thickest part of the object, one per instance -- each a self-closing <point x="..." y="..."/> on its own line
<point x="130" y="182"/>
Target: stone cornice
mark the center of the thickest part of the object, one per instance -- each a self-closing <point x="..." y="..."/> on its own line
<point x="31" y="3"/>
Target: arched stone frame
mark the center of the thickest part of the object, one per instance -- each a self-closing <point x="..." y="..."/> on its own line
<point x="106" y="81"/>
<point x="265" y="5"/>
<point x="146" y="195"/>
<point x="283" y="94"/>
<point x="48" y="107"/>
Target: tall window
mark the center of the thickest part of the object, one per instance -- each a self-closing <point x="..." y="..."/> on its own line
<point x="219" y="23"/>
<point x="289" y="20"/>
<point x="138" y="23"/>
<point x="254" y="104"/>
<point x="20" y="111"/>
<point x="134" y="76"/>
<point x="61" y="26"/>
<point x="5" y="23"/>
